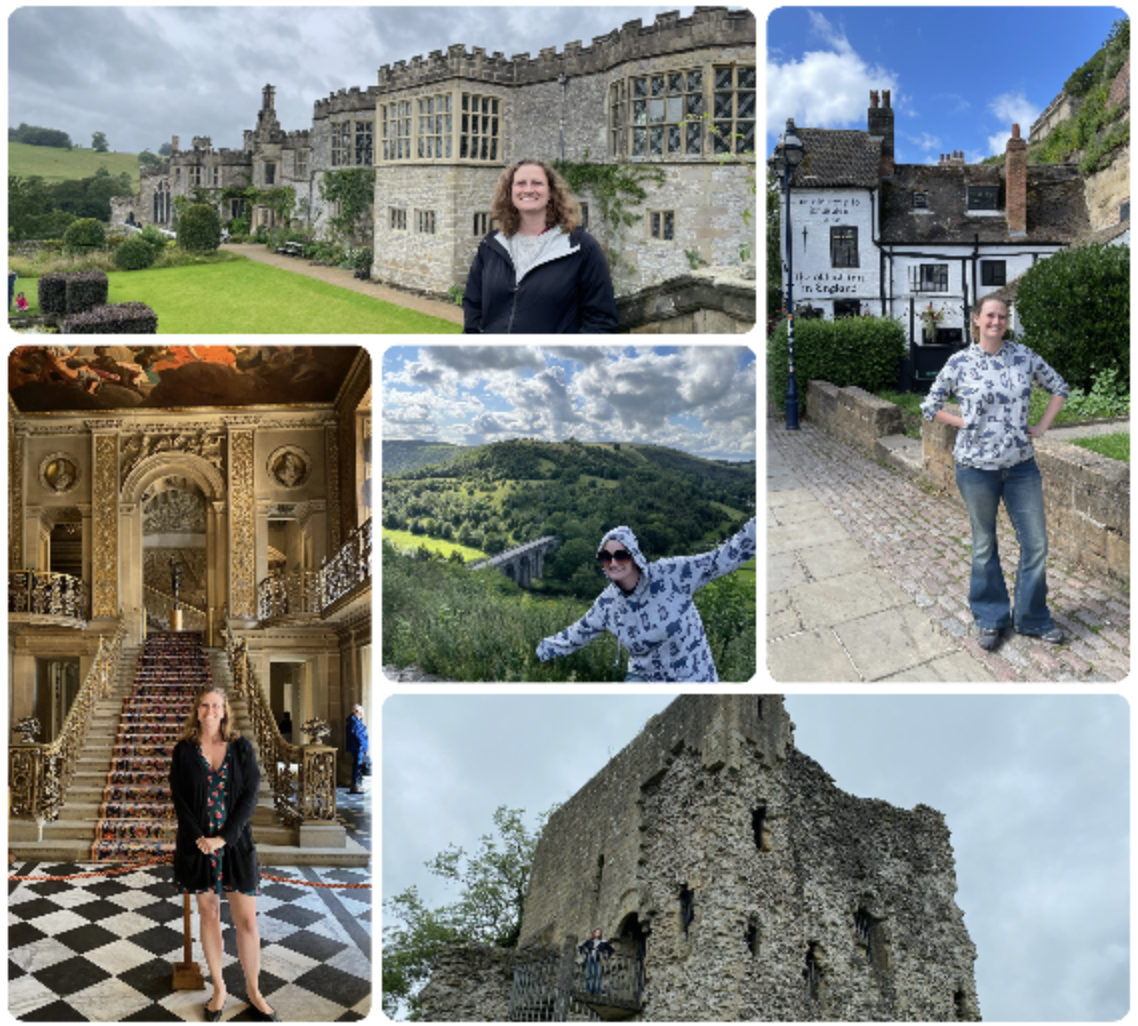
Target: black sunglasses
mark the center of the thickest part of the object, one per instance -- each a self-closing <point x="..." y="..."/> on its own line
<point x="621" y="556"/>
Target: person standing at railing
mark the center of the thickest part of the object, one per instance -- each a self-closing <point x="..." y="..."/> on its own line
<point x="356" y="745"/>
<point x="213" y="780"/>
<point x="596" y="951"/>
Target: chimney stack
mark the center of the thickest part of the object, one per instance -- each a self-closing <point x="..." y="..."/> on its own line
<point x="880" y="121"/>
<point x="1015" y="184"/>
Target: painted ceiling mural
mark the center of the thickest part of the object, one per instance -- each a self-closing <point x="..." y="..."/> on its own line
<point x="56" y="379"/>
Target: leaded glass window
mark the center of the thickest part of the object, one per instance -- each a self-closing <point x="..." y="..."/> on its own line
<point x="396" y="129"/>
<point x="341" y="143"/>
<point x="479" y="133"/>
<point x="733" y="110"/>
<point x="302" y="164"/>
<point x="662" y="224"/>
<point x="666" y="113"/>
<point x="435" y="126"/>
<point x="363" y="144"/>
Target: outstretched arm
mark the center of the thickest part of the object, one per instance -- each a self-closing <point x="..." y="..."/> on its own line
<point x="731" y="555"/>
<point x="592" y="625"/>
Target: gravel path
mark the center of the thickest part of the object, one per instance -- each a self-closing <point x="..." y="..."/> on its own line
<point x="338" y="276"/>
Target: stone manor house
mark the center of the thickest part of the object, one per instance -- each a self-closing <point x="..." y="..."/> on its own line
<point x="736" y="883"/>
<point x="678" y="95"/>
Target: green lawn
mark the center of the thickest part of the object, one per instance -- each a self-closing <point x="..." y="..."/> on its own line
<point x="405" y="541"/>
<point x="1116" y="446"/>
<point x="56" y="165"/>
<point x="243" y="297"/>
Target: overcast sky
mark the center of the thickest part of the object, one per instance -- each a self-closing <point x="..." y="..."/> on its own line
<point x="699" y="399"/>
<point x="143" y="74"/>
<point x="1034" y="789"/>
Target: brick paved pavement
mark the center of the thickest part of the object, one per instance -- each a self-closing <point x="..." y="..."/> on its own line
<point x="868" y="580"/>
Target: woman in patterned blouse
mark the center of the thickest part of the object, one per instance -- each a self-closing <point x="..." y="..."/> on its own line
<point x="213" y="781"/>
<point x="995" y="459"/>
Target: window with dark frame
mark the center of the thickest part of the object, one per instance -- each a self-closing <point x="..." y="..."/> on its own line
<point x="662" y="224"/>
<point x="843" y="247"/>
<point x="920" y="201"/>
<point x="478" y="139"/>
<point x="934" y="278"/>
<point x="481" y="223"/>
<point x="983" y="197"/>
<point x="667" y="113"/>
<point x="847" y="308"/>
<point x="270" y="173"/>
<point x="584" y="215"/>
<point x="425" y="220"/>
<point x="398" y="219"/>
<point x="993" y="272"/>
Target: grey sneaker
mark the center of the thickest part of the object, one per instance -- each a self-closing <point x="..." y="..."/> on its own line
<point x="989" y="637"/>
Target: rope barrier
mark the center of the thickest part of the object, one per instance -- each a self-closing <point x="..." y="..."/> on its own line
<point x="170" y="858"/>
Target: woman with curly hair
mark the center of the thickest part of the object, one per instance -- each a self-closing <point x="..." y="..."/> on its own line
<point x="540" y="272"/>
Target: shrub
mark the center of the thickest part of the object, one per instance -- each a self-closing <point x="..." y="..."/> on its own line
<point x="85" y="234"/>
<point x="52" y="289"/>
<point x="116" y="319"/>
<point x="134" y="255"/>
<point x="199" y="228"/>
<point x="862" y="351"/>
<point x="1075" y="311"/>
<point x="85" y="289"/>
<point x="153" y="238"/>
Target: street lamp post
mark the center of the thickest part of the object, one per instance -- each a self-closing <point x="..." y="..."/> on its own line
<point x="788" y="156"/>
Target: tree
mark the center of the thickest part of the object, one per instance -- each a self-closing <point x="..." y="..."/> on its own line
<point x="165" y="150"/>
<point x="488" y="911"/>
<point x="99" y="142"/>
<point x="146" y="158"/>
<point x="199" y="228"/>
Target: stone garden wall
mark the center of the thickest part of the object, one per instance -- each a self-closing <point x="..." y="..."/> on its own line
<point x="852" y="415"/>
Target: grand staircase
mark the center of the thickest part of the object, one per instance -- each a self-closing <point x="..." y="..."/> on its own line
<point x="117" y="807"/>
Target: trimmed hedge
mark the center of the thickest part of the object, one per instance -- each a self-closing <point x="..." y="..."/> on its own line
<point x="862" y="351"/>
<point x="199" y="228"/>
<point x="116" y="319"/>
<point x="52" y="290"/>
<point x="1075" y="311"/>
<point x="85" y="234"/>
<point x="85" y="290"/>
<point x="134" y="255"/>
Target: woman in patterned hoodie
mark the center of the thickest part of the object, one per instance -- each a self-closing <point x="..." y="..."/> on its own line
<point x="649" y="607"/>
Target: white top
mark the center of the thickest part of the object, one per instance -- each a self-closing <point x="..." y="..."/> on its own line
<point x="526" y="250"/>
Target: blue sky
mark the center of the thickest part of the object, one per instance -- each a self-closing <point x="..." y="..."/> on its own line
<point x="699" y="399"/>
<point x="959" y="76"/>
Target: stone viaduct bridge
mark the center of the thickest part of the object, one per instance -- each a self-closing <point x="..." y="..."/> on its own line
<point x="524" y="562"/>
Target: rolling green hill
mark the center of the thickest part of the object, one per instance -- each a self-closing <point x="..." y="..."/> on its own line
<point x="57" y="165"/>
<point x="400" y="457"/>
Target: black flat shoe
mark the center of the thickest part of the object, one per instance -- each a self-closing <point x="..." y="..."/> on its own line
<point x="211" y="1015"/>
<point x="266" y="1016"/>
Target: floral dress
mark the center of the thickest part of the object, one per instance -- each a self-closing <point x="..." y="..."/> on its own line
<point x="218" y="785"/>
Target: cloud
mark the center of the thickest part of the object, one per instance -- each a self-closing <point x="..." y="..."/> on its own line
<point x="827" y="88"/>
<point x="923" y="141"/>
<point x="1011" y="108"/>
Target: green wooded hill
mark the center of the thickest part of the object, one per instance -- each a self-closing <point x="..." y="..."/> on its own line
<point x="54" y="164"/>
<point x="399" y="457"/>
<point x="494" y="496"/>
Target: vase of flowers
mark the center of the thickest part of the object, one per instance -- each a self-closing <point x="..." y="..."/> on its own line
<point x="930" y="318"/>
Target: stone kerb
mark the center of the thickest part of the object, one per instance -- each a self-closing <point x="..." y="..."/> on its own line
<point x="852" y="415"/>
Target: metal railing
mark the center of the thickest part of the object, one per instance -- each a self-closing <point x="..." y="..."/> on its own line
<point x="289" y="594"/>
<point x="45" y="593"/>
<point x="312" y="593"/>
<point x="39" y="774"/>
<point x="302" y="777"/>
<point x="617" y="982"/>
<point x="159" y="605"/>
<point x="558" y="984"/>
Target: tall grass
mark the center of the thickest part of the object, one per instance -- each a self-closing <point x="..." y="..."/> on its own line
<point x="478" y="626"/>
<point x="53" y="164"/>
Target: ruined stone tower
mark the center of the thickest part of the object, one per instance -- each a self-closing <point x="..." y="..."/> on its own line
<point x="736" y="883"/>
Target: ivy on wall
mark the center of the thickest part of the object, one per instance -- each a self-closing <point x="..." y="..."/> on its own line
<point x="354" y="189"/>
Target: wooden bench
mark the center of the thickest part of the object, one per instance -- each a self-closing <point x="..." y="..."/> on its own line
<point x="294" y="249"/>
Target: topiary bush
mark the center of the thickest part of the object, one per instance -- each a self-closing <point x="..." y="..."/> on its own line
<point x="52" y="289"/>
<point x="84" y="235"/>
<point x="116" y="319"/>
<point x="199" y="228"/>
<point x="134" y="255"/>
<point x="862" y="351"/>
<point x="85" y="289"/>
<point x="1075" y="311"/>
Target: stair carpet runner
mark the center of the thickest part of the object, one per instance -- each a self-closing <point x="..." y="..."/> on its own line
<point x="136" y="819"/>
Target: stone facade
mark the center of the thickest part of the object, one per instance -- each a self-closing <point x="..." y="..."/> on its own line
<point x="750" y="885"/>
<point x="580" y="104"/>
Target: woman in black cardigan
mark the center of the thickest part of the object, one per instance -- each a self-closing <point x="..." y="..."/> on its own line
<point x="213" y="780"/>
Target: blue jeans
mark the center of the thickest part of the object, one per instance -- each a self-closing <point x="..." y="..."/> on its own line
<point x="1021" y="488"/>
<point x="593" y="975"/>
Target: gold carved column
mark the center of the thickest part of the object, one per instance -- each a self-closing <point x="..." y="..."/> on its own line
<point x="105" y="520"/>
<point x="242" y="527"/>
<point x="332" y="447"/>
<point x="16" y="439"/>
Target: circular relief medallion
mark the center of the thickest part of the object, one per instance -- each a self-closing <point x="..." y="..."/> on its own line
<point x="59" y="473"/>
<point x="289" y="466"/>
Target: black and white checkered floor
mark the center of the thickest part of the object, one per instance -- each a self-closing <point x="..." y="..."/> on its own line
<point x="103" y="949"/>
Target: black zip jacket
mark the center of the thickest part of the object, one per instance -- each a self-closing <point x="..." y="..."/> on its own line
<point x="571" y="293"/>
<point x="189" y="787"/>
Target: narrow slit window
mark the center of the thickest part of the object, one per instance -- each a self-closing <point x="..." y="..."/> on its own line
<point x="863" y="923"/>
<point x="687" y="908"/>
<point x="759" y="828"/>
<point x="812" y="974"/>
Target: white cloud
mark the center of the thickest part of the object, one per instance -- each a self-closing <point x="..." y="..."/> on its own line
<point x="923" y="141"/>
<point x="826" y="88"/>
<point x="1011" y="108"/>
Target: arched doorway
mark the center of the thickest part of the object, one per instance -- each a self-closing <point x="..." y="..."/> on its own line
<point x="174" y="541"/>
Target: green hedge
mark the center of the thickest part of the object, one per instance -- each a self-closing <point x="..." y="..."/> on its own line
<point x="85" y="234"/>
<point x="1075" y="311"/>
<point x="86" y="289"/>
<point x="134" y="255"/>
<point x="863" y="351"/>
<point x="116" y="319"/>
<point x="52" y="289"/>
<point x="199" y="228"/>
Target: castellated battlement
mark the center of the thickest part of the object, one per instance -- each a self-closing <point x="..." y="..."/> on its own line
<point x="669" y="33"/>
<point x="298" y="138"/>
<point x="346" y="101"/>
<point x="210" y="157"/>
<point x="739" y="883"/>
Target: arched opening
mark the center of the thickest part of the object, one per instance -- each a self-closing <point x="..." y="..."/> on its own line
<point x="174" y="559"/>
<point x="632" y="937"/>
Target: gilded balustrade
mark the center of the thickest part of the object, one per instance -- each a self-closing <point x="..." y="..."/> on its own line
<point x="161" y="606"/>
<point x="289" y="594"/>
<point x="39" y="774"/>
<point x="309" y="791"/>
<point x="348" y="567"/>
<point x="44" y="593"/>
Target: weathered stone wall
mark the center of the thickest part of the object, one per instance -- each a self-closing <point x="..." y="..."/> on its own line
<point x="714" y="300"/>
<point x="1086" y="496"/>
<point x="471" y="984"/>
<point x="712" y="800"/>
<point x="1108" y="189"/>
<point x="852" y="415"/>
